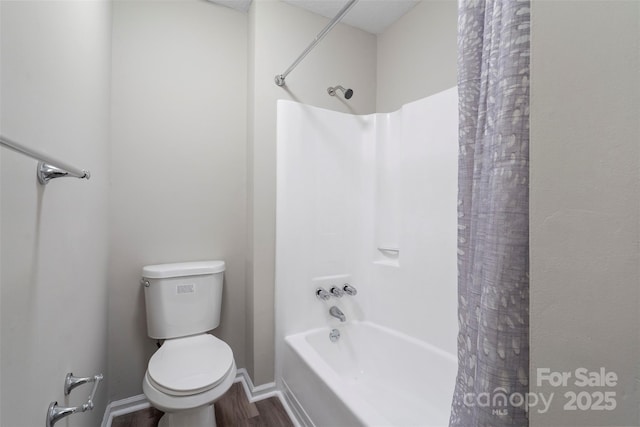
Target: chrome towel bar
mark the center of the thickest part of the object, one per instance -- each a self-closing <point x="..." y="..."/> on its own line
<point x="48" y="167"/>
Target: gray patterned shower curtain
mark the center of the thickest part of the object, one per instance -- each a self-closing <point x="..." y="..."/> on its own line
<point x="493" y="214"/>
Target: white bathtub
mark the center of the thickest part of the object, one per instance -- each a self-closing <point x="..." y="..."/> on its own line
<point x="371" y="376"/>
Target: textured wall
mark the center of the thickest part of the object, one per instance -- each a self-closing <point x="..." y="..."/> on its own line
<point x="585" y="191"/>
<point x="55" y="97"/>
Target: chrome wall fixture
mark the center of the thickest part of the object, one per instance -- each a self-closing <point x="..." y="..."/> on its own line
<point x="349" y="290"/>
<point x="322" y="294"/>
<point x="348" y="93"/>
<point x="55" y="413"/>
<point x="336" y="291"/>
<point x="279" y="79"/>
<point x="337" y="313"/>
<point x="48" y="167"/>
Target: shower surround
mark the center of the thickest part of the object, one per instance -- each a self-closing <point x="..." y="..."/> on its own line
<point x="370" y="201"/>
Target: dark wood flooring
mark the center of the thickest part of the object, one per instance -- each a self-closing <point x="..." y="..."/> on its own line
<point x="232" y="409"/>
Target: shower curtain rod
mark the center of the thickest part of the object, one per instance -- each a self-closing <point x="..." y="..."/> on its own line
<point x="48" y="167"/>
<point x="279" y="79"/>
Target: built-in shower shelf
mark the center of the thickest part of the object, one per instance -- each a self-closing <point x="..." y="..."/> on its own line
<point x="389" y="256"/>
<point x="389" y="249"/>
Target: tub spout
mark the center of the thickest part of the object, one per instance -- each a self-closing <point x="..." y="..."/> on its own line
<point x="337" y="313"/>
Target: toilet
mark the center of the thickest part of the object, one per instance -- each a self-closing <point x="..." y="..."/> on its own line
<point x="192" y="368"/>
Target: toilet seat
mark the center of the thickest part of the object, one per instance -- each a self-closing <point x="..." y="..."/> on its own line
<point x="190" y="365"/>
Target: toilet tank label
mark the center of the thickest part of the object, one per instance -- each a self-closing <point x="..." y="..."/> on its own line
<point x="186" y="288"/>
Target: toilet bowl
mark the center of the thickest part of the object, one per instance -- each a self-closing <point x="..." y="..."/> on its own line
<point x="185" y="376"/>
<point x="192" y="369"/>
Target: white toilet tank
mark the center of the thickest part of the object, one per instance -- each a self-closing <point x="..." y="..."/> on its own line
<point x="183" y="298"/>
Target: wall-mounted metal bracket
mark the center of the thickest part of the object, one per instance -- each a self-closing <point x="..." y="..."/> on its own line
<point x="46" y="173"/>
<point x="55" y="413"/>
<point x="48" y="167"/>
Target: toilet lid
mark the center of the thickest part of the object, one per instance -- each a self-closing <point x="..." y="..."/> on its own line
<point x="190" y="365"/>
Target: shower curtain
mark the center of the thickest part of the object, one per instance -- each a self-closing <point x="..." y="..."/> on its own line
<point x="493" y="242"/>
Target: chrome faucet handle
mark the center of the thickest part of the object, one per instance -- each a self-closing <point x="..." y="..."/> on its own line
<point x="336" y="292"/>
<point x="350" y="290"/>
<point x="322" y="294"/>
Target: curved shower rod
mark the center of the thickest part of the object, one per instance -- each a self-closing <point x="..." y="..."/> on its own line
<point x="279" y="79"/>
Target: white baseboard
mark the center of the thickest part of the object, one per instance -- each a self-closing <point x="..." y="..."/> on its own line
<point x="264" y="391"/>
<point x="254" y="394"/>
<point x="124" y="406"/>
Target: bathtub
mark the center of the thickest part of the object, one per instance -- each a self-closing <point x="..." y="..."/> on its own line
<point x="372" y="376"/>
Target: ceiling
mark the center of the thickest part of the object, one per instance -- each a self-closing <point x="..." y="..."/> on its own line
<point x="372" y="16"/>
<point x="241" y="5"/>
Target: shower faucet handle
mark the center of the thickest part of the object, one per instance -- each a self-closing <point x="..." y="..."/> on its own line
<point x="349" y="290"/>
<point x="321" y="293"/>
<point x="336" y="292"/>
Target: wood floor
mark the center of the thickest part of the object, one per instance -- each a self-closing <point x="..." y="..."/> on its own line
<point x="233" y="409"/>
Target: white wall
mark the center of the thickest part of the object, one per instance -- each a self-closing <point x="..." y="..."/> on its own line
<point x="329" y="165"/>
<point x="347" y="56"/>
<point x="584" y="204"/>
<point x="417" y="54"/>
<point x="55" y="92"/>
<point x="326" y="174"/>
<point x="178" y="163"/>
<point x="416" y="58"/>
<point x="416" y="292"/>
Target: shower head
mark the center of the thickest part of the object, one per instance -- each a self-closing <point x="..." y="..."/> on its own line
<point x="348" y="93"/>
